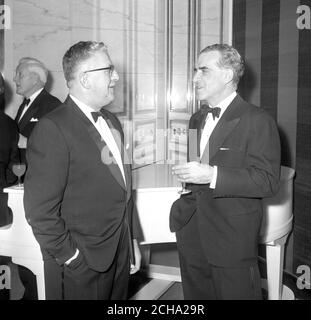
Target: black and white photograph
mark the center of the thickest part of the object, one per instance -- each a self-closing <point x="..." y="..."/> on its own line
<point x="155" y="150"/>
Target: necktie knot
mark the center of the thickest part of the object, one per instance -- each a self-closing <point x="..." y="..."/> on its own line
<point x="96" y="115"/>
<point x="205" y="109"/>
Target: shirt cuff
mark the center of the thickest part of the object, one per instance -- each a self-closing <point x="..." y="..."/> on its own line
<point x="72" y="258"/>
<point x="214" y="179"/>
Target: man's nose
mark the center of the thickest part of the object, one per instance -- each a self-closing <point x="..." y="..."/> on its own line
<point x="196" y="77"/>
<point x="115" y="76"/>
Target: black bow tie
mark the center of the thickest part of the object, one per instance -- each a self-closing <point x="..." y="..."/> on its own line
<point x="26" y="102"/>
<point x="205" y="109"/>
<point x="96" y="115"/>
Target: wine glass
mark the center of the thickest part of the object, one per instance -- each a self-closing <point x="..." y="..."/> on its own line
<point x="19" y="169"/>
<point x="184" y="190"/>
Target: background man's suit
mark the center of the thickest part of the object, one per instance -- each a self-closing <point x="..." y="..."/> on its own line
<point x="245" y="147"/>
<point x="90" y="196"/>
<point x="43" y="104"/>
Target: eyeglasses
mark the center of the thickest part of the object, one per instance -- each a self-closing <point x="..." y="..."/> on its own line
<point x="110" y="68"/>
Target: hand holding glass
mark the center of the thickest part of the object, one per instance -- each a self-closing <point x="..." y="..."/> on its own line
<point x="19" y="169"/>
<point x="184" y="190"/>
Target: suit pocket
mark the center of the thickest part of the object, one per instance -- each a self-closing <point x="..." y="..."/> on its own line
<point x="78" y="265"/>
<point x="231" y="158"/>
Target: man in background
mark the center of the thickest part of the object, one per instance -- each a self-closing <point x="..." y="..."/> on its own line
<point x="30" y="79"/>
<point x="236" y="164"/>
<point x="78" y="199"/>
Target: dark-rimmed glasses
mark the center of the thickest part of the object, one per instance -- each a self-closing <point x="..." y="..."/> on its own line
<point x="110" y="68"/>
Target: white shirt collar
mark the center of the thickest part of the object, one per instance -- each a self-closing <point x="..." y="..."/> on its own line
<point x="84" y="107"/>
<point x="34" y="96"/>
<point x="224" y="104"/>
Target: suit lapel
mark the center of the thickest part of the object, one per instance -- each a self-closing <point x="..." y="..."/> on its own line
<point x="33" y="109"/>
<point x="100" y="143"/>
<point x="225" y="125"/>
<point x="124" y="156"/>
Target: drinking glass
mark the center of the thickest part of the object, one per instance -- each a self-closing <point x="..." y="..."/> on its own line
<point x="183" y="190"/>
<point x="19" y="169"/>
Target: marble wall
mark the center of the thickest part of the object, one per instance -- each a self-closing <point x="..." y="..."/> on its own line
<point x="136" y="34"/>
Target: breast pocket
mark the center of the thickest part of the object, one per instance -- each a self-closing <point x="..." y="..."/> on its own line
<point x="233" y="158"/>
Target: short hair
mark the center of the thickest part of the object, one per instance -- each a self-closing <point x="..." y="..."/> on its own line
<point x="79" y="53"/>
<point x="229" y="59"/>
<point x="35" y="66"/>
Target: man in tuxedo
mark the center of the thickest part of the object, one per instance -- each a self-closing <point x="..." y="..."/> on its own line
<point x="30" y="79"/>
<point x="78" y="196"/>
<point x="234" y="163"/>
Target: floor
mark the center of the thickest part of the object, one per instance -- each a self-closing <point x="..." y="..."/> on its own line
<point x="169" y="257"/>
<point x="162" y="255"/>
<point x="175" y="292"/>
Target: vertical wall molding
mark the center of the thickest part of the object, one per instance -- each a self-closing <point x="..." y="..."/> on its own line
<point x="226" y="24"/>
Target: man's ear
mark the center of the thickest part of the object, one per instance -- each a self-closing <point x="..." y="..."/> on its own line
<point x="228" y="75"/>
<point x="84" y="80"/>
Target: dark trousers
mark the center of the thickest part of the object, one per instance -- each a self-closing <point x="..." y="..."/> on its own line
<point x="78" y="282"/>
<point x="27" y="278"/>
<point x="204" y="281"/>
<point x="29" y="282"/>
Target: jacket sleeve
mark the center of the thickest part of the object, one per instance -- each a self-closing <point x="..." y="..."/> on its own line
<point x="44" y="185"/>
<point x="260" y="177"/>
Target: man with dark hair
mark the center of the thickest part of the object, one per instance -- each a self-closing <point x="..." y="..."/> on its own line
<point x="234" y="164"/>
<point x="30" y="79"/>
<point x="78" y="202"/>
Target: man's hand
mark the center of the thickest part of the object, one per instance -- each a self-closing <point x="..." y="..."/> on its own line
<point x="136" y="267"/>
<point x="22" y="142"/>
<point x="194" y="172"/>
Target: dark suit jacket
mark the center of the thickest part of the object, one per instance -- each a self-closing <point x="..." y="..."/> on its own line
<point x="43" y="104"/>
<point x="72" y="198"/>
<point x="8" y="155"/>
<point x="245" y="146"/>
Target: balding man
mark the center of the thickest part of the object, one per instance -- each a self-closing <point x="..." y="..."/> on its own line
<point x="30" y="79"/>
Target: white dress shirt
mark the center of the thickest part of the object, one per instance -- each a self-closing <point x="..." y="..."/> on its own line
<point x="105" y="132"/>
<point x="209" y="127"/>
<point x="31" y="98"/>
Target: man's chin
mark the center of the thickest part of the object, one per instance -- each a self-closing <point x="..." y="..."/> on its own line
<point x="107" y="100"/>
